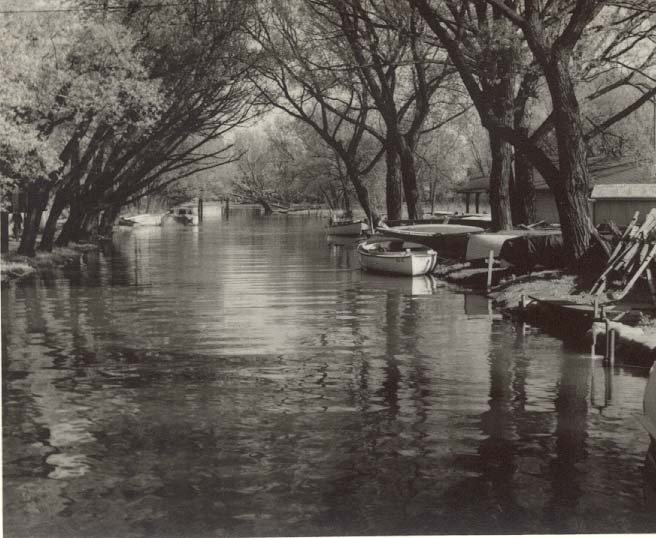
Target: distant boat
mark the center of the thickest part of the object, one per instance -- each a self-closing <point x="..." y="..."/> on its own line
<point x="145" y="219"/>
<point x="449" y="240"/>
<point x="391" y="256"/>
<point x="347" y="227"/>
<point x="185" y="214"/>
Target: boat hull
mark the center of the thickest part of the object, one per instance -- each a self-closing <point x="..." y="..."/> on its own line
<point x="376" y="257"/>
<point x="347" y="228"/>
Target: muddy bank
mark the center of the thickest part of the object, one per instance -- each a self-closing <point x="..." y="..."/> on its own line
<point x="565" y="311"/>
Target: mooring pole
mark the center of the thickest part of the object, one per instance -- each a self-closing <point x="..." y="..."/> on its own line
<point x="490" y="264"/>
<point x="609" y="356"/>
<point x="4" y="232"/>
<point x="611" y="347"/>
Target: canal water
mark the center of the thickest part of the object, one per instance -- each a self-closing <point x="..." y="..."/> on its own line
<point x="245" y="378"/>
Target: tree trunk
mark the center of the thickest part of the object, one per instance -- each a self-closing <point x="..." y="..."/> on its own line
<point x="107" y="221"/>
<point x="89" y="228"/>
<point x="393" y="195"/>
<point x="500" y="183"/>
<point x="409" y="179"/>
<point x="523" y="191"/>
<point x="573" y="188"/>
<point x="501" y="88"/>
<point x="266" y="206"/>
<point x="71" y="228"/>
<point x="363" y="195"/>
<point x="59" y="203"/>
<point x="37" y="198"/>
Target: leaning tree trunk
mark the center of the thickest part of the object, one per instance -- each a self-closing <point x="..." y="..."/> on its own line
<point x="573" y="188"/>
<point x="393" y="194"/>
<point x="72" y="226"/>
<point x="107" y="220"/>
<point x="59" y="203"/>
<point x="37" y="198"/>
<point x="266" y="206"/>
<point x="89" y="228"/>
<point x="362" y="194"/>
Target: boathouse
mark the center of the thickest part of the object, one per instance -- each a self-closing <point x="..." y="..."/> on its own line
<point x="619" y="189"/>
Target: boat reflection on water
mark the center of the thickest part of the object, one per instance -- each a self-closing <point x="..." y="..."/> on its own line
<point x="418" y="285"/>
<point x="477" y="305"/>
<point x="648" y="420"/>
<point x="343" y="240"/>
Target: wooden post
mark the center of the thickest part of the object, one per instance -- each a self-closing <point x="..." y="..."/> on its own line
<point x="200" y="208"/>
<point x="4" y="232"/>
<point x="611" y="347"/>
<point x="490" y="264"/>
<point x="467" y="202"/>
<point x="477" y="198"/>
<point x="607" y="351"/>
<point x="650" y="282"/>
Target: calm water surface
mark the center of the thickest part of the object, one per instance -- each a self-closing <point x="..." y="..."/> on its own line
<point x="246" y="379"/>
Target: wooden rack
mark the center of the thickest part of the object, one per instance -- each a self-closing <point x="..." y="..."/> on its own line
<point x="631" y="259"/>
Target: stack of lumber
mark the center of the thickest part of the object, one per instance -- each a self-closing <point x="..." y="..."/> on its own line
<point x="630" y="259"/>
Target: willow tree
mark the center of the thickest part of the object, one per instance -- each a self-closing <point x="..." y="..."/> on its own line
<point x="399" y="71"/>
<point x="199" y="56"/>
<point x="69" y="82"/>
<point x="301" y="72"/>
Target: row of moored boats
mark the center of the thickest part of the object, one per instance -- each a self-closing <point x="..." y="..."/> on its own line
<point x="414" y="249"/>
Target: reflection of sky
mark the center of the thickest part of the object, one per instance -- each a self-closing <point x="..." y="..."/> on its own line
<point x="246" y="378"/>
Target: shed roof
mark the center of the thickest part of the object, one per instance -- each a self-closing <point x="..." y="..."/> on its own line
<point x="624" y="191"/>
<point x="603" y="172"/>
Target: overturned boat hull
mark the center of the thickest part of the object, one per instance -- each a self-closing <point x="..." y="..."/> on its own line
<point x="449" y="240"/>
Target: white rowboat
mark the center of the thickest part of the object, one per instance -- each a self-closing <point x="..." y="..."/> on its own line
<point x="394" y="257"/>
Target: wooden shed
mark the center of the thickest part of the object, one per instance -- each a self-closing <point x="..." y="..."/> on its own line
<point x="622" y="187"/>
<point x="619" y="201"/>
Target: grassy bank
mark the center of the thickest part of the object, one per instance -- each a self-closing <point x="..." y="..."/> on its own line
<point x="14" y="266"/>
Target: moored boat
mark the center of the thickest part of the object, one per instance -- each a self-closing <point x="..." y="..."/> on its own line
<point x="482" y="220"/>
<point x="392" y="256"/>
<point x="186" y="215"/>
<point x="145" y="219"/>
<point x="347" y="227"/>
<point x="449" y="240"/>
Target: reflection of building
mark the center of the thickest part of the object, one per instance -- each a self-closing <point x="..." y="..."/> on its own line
<point x="620" y="188"/>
